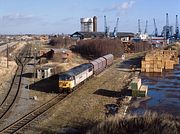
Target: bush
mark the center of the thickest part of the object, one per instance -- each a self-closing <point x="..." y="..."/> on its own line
<point x="95" y="48"/>
<point x="99" y="47"/>
<point x="61" y="41"/>
<point x="150" y="123"/>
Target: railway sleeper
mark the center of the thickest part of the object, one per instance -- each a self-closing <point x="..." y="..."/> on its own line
<point x="27" y="118"/>
<point x="9" y="131"/>
<point x="24" y="121"/>
<point x="15" y="126"/>
<point x="32" y="115"/>
<point x="20" y="124"/>
<point x="36" y="114"/>
<point x="14" y="129"/>
<point x="41" y="110"/>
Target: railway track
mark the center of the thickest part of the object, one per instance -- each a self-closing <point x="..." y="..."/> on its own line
<point x="12" y="93"/>
<point x="28" y="118"/>
<point x="24" y="121"/>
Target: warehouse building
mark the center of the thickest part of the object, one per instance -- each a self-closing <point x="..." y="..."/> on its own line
<point x="124" y="36"/>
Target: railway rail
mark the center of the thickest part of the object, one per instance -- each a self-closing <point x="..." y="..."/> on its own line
<point x="12" y="93"/>
<point x="28" y="118"/>
<point x="24" y="121"/>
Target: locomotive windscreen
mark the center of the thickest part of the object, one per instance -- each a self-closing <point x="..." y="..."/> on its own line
<point x="65" y="77"/>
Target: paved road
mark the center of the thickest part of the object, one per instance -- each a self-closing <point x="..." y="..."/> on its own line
<point x="4" y="47"/>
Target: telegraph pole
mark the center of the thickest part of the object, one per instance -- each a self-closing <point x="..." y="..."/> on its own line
<point x="34" y="57"/>
<point x="34" y="64"/>
<point x="7" y="53"/>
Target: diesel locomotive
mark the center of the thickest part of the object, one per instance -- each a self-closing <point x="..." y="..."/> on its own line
<point x="73" y="77"/>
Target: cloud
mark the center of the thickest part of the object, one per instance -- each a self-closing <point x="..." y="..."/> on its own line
<point x="17" y="18"/>
<point x="127" y="5"/>
<point x="67" y="19"/>
<point x="62" y="21"/>
<point x="122" y="7"/>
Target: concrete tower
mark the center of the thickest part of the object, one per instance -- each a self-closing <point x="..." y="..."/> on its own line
<point x="94" y="24"/>
<point x="89" y="24"/>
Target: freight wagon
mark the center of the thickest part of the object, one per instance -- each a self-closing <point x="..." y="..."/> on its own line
<point x="73" y="77"/>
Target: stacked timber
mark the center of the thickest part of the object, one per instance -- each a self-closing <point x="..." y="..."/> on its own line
<point x="138" y="90"/>
<point x="156" y="61"/>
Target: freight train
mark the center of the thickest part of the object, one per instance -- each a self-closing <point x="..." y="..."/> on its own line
<point x="70" y="79"/>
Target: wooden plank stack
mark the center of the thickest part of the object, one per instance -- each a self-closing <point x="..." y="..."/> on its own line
<point x="156" y="61"/>
<point x="138" y="90"/>
<point x="135" y="84"/>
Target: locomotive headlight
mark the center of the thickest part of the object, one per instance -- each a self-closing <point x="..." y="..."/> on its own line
<point x="65" y="84"/>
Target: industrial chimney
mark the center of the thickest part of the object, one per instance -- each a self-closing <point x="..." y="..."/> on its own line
<point x="94" y="24"/>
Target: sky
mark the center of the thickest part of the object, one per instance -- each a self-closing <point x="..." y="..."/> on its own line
<point x="63" y="16"/>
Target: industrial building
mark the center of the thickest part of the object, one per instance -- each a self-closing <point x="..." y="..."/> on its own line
<point x="89" y="24"/>
<point x="124" y="36"/>
<point x="45" y="72"/>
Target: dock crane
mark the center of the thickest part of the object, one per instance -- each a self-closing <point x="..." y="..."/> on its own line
<point x="139" y="27"/>
<point x="106" y="28"/>
<point x="155" y="29"/>
<point x="145" y="31"/>
<point x="166" y="29"/>
<point x="177" y="29"/>
<point x="116" y="29"/>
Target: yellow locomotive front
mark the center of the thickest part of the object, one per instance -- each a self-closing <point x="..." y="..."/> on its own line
<point x="66" y="82"/>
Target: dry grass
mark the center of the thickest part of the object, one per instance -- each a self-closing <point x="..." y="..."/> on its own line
<point x="62" y="65"/>
<point x="149" y="123"/>
<point x="61" y="41"/>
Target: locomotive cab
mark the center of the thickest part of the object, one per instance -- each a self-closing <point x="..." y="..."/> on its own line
<point x="66" y="81"/>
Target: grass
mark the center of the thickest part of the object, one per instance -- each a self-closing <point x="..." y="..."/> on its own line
<point x="149" y="123"/>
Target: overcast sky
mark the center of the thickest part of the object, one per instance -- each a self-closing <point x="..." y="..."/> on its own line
<point x="63" y="16"/>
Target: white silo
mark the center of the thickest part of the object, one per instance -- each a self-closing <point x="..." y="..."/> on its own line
<point x="86" y="24"/>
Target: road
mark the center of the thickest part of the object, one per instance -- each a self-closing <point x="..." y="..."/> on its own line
<point x="4" y="47"/>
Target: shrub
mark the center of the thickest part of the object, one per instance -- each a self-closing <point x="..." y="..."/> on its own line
<point x="150" y="123"/>
<point x="99" y="47"/>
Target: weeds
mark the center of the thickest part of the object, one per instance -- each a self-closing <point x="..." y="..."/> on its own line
<point x="149" y="123"/>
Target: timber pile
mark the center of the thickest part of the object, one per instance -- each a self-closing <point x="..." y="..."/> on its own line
<point x="138" y="90"/>
<point x="156" y="61"/>
<point x="131" y="47"/>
